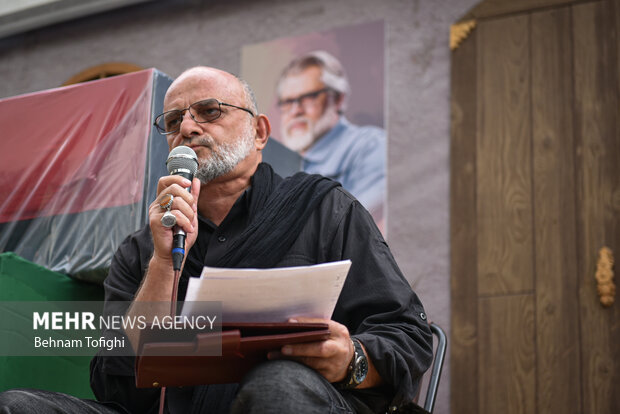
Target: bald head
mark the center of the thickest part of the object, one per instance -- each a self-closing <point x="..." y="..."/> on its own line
<point x="226" y="83"/>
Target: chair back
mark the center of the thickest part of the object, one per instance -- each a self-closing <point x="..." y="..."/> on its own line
<point x="440" y="353"/>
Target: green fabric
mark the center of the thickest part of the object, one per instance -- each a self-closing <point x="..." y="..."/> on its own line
<point x="21" y="280"/>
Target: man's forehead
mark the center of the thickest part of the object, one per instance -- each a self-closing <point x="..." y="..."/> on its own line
<point x="301" y="82"/>
<point x="203" y="84"/>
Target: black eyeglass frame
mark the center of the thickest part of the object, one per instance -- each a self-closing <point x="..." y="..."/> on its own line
<point x="182" y="111"/>
<point x="313" y="95"/>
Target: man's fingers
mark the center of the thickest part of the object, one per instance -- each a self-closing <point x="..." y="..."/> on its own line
<point x="195" y="191"/>
<point x="322" y="349"/>
<point x="182" y="221"/>
<point x="177" y="191"/>
<point x="183" y="211"/>
<point x="176" y="186"/>
<point x="182" y="201"/>
<point x="183" y="205"/>
<point x="180" y="205"/>
<point x="302" y="319"/>
<point x="168" y="180"/>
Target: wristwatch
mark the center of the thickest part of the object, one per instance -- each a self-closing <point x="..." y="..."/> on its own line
<point x="358" y="368"/>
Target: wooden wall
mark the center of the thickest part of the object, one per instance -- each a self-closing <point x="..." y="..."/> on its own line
<point x="535" y="190"/>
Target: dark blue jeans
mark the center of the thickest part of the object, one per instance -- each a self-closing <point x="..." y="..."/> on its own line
<point x="47" y="402"/>
<point x="272" y="387"/>
<point x="289" y="387"/>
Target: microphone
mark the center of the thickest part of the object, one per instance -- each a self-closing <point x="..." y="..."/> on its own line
<point x="181" y="161"/>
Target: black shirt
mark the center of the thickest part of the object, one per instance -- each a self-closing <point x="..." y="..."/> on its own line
<point x="376" y="304"/>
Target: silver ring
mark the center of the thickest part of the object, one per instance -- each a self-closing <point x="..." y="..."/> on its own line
<point x="168" y="219"/>
<point x="166" y="202"/>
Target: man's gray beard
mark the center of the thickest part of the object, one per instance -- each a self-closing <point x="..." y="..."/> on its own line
<point x="299" y="142"/>
<point x="315" y="129"/>
<point x="225" y="158"/>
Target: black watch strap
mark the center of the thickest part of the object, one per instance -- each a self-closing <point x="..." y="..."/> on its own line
<point x="358" y="367"/>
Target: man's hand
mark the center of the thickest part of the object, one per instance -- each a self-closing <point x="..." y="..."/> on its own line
<point x="157" y="284"/>
<point x="330" y="357"/>
<point x="184" y="207"/>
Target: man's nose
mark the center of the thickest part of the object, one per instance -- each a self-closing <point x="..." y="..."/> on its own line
<point x="189" y="127"/>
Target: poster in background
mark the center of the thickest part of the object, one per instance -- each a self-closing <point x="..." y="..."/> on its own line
<point x="360" y="50"/>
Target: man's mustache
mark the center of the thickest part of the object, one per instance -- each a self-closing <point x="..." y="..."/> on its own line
<point x="298" y="119"/>
<point x="204" y="141"/>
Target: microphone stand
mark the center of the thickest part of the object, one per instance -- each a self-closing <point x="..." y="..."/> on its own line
<point x="173" y="311"/>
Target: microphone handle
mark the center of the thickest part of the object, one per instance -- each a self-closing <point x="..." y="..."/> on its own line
<point x="178" y="240"/>
<point x="178" y="250"/>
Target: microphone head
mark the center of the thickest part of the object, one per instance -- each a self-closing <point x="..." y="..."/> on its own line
<point x="182" y="159"/>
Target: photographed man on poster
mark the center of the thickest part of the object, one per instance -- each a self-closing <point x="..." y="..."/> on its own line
<point x="312" y="96"/>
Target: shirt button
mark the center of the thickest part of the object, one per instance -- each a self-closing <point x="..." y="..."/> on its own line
<point x="221" y="239"/>
<point x="422" y="316"/>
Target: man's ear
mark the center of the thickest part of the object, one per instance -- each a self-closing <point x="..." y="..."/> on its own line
<point x="263" y="131"/>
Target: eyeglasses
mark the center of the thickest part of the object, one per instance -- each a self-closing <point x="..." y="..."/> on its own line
<point x="303" y="100"/>
<point x="202" y="111"/>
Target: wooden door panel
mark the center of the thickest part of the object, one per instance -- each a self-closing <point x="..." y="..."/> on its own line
<point x="503" y="158"/>
<point x="558" y="369"/>
<point x="507" y="381"/>
<point x="598" y="211"/>
<point x="463" y="260"/>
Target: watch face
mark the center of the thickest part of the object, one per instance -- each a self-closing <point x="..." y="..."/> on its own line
<point x="361" y="370"/>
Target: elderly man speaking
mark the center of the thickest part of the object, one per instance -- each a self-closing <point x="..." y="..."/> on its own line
<point x="380" y="341"/>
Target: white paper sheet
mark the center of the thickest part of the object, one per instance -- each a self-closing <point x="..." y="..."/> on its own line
<point x="269" y="295"/>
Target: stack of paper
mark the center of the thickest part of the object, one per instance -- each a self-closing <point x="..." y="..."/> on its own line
<point x="269" y="295"/>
